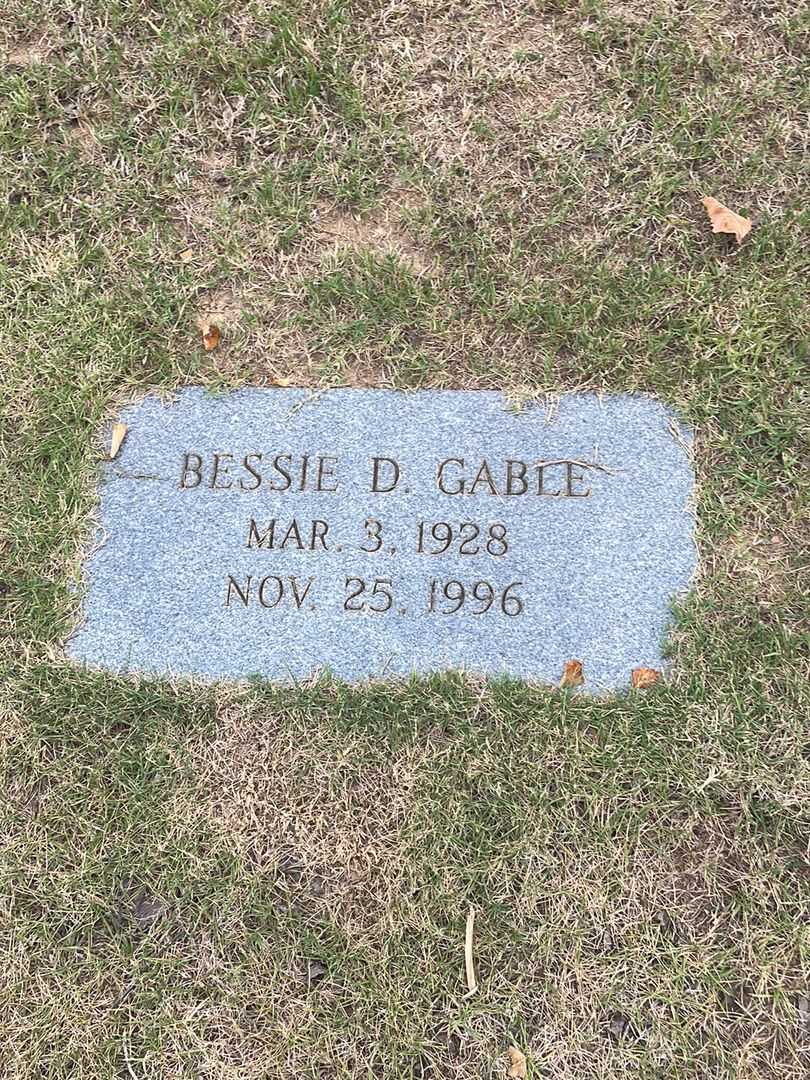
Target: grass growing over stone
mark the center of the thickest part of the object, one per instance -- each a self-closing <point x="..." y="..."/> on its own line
<point x="253" y="882"/>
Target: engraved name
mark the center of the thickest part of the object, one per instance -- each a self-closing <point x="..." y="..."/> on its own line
<point x="221" y="471"/>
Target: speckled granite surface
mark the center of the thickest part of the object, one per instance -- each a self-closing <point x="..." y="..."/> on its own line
<point x="510" y="543"/>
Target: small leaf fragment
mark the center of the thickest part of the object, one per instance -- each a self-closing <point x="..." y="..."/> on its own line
<point x="148" y="910"/>
<point x="282" y="380"/>
<point x="517" y="1066"/>
<point x="186" y="255"/>
<point x="211" y="335"/>
<point x="619" y="1026"/>
<point x="803" y="1006"/>
<point x="572" y="674"/>
<point x="316" y="970"/>
<point x="726" y="221"/>
<point x="119" y="433"/>
<point x="643" y="678"/>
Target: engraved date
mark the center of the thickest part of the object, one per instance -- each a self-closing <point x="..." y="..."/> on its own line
<point x="465" y="538"/>
<point x="372" y="595"/>
<point x="474" y="598"/>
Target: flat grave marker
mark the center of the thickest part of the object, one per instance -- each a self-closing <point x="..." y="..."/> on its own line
<point x="278" y="532"/>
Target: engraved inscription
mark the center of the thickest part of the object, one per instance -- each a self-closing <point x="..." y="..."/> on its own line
<point x="268" y="591"/>
<point x="249" y="472"/>
<point x="277" y="535"/>
<point x="455" y="476"/>
<point x="282" y="532"/>
<point x="465" y="540"/>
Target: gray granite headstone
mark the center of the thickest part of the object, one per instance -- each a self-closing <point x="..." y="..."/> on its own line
<point x="376" y="533"/>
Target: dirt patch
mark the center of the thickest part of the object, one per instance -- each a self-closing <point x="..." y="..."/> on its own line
<point x="33" y="50"/>
<point x="221" y="307"/>
<point x="199" y="211"/>
<point x="267" y="350"/>
<point x="381" y="231"/>
<point x="80" y="134"/>
<point x="538" y="105"/>
<point x="273" y="348"/>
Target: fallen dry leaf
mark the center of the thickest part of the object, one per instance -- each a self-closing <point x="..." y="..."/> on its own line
<point x="119" y="433"/>
<point x="619" y="1025"/>
<point x="517" y="1066"/>
<point x="572" y="674"/>
<point x="186" y="255"/>
<point x="316" y="969"/>
<point x="211" y="334"/>
<point x="282" y="380"/>
<point x="644" y="677"/>
<point x="726" y="221"/>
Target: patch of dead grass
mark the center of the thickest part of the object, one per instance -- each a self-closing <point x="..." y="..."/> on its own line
<point x="380" y="231"/>
<point x="31" y="50"/>
<point x="268" y="351"/>
<point x="198" y="210"/>
<point x="469" y="81"/>
<point x="331" y="827"/>
<point x="313" y="811"/>
<point x="498" y="96"/>
<point x="50" y="257"/>
<point x="80" y="134"/>
<point x="278" y="349"/>
<point x="758" y="560"/>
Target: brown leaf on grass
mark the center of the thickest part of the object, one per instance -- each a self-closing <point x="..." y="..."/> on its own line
<point x="726" y="221"/>
<point x="517" y="1064"/>
<point x="211" y="335"/>
<point x="282" y="380"/>
<point x="186" y="255"/>
<point x="644" y="677"/>
<point x="572" y="674"/>
<point x="119" y="433"/>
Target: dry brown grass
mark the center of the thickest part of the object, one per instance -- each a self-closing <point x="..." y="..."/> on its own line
<point x="442" y="68"/>
<point x="375" y="845"/>
<point x="302" y="807"/>
<point x="33" y="49"/>
<point x="759" y="563"/>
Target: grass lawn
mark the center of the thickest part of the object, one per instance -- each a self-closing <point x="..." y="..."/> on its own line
<point x="250" y="883"/>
